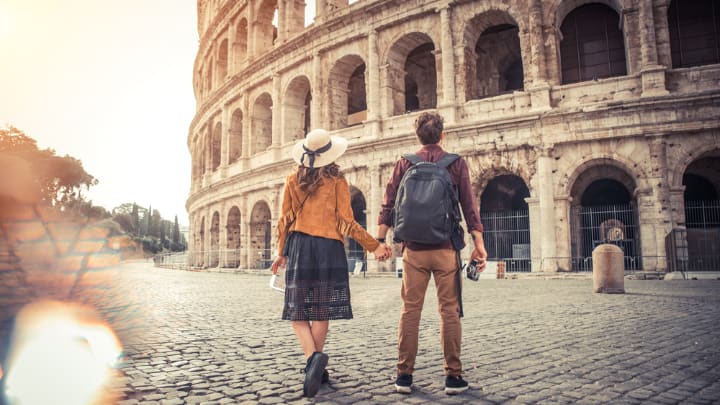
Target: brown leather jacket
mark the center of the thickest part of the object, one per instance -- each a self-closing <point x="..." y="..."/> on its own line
<point x="326" y="213"/>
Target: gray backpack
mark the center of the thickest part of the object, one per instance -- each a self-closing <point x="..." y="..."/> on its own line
<point x="426" y="206"/>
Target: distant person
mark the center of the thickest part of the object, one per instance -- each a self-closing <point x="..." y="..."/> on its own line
<point x="431" y="246"/>
<point x="315" y="219"/>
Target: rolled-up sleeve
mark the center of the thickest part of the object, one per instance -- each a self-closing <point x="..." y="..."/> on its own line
<point x="467" y="199"/>
<point x="385" y="216"/>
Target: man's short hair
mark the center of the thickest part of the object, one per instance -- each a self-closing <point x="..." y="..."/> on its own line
<point x="428" y="127"/>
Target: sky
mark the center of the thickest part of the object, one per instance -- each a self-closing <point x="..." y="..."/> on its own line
<point x="109" y="83"/>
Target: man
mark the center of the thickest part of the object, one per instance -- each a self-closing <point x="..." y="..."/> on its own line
<point x="420" y="261"/>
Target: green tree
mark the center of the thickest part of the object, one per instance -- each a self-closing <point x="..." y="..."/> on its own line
<point x="135" y="217"/>
<point x="176" y="232"/>
<point x="60" y="181"/>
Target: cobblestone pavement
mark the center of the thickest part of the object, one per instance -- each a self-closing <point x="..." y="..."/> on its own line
<point x="214" y="338"/>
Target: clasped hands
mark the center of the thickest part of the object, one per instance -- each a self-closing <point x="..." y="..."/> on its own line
<point x="383" y="252"/>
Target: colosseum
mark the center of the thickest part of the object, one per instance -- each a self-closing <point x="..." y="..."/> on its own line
<point x="583" y="122"/>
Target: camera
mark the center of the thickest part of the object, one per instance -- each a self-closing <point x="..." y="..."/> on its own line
<point x="471" y="270"/>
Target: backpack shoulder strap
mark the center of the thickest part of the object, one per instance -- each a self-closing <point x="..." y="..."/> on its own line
<point x="447" y="160"/>
<point x="412" y="158"/>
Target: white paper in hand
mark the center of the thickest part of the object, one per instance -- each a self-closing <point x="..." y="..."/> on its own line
<point x="277" y="283"/>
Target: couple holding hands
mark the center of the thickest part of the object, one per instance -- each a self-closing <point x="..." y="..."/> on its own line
<point x="315" y="219"/>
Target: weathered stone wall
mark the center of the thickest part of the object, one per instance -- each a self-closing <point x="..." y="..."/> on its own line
<point x="641" y="130"/>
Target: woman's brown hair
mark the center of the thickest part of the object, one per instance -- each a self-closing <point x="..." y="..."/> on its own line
<point x="310" y="179"/>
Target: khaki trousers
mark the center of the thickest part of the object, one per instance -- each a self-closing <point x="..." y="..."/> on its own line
<point x="418" y="265"/>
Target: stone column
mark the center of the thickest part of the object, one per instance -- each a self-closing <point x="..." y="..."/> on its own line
<point x="536" y="234"/>
<point x="225" y="140"/>
<point x="317" y="92"/>
<point x="652" y="73"/>
<point x="282" y="21"/>
<point x="320" y="10"/>
<point x="373" y="86"/>
<point x="563" y="262"/>
<point x="246" y="135"/>
<point x="222" y="235"/>
<point x="232" y="49"/>
<point x="546" y="195"/>
<point x="277" y="108"/>
<point x="662" y="214"/>
<point x="539" y="87"/>
<point x="447" y="109"/>
<point x="244" y="232"/>
<point x="252" y="27"/>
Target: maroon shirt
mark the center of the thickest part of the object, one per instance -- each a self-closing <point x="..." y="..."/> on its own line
<point x="460" y="178"/>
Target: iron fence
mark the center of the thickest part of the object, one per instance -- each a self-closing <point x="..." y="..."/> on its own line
<point x="597" y="225"/>
<point x="507" y="238"/>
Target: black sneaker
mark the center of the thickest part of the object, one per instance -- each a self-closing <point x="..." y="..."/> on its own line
<point x="403" y="383"/>
<point x="455" y="385"/>
<point x="313" y="373"/>
<point x="325" y="377"/>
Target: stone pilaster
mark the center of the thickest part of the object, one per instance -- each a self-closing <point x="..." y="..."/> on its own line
<point x="317" y="91"/>
<point x="373" y="97"/>
<point x="652" y="74"/>
<point x="447" y="108"/>
<point x="546" y="195"/>
<point x="277" y="108"/>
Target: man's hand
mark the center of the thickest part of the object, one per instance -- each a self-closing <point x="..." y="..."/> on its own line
<point x="480" y="254"/>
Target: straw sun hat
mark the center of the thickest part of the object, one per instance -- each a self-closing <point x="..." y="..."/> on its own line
<point x="319" y="149"/>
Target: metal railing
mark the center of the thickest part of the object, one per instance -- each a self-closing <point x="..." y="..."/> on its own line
<point x="507" y="238"/>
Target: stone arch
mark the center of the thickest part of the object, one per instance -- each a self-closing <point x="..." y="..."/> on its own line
<point x="411" y="74"/>
<point x="564" y="7"/>
<point x="222" y="61"/>
<point x="506" y="221"/>
<point x="689" y="153"/>
<point x="633" y="169"/>
<point x="265" y="31"/>
<point x="483" y="169"/>
<point x="347" y="92"/>
<point x="260" y="235"/>
<point x="493" y="56"/>
<point x="694" y="32"/>
<point x="216" y="146"/>
<point x="236" y="135"/>
<point x="234" y="241"/>
<point x="296" y="109"/>
<point x="261" y="123"/>
<point x="240" y="46"/>
<point x="592" y="43"/>
<point x="604" y="210"/>
<point x="215" y="240"/>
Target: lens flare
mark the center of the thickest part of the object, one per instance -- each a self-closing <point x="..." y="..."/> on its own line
<point x="60" y="353"/>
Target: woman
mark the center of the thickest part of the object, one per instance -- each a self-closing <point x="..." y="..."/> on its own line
<point x="316" y="217"/>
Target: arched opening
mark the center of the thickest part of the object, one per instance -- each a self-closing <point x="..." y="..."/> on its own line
<point x="604" y="211"/>
<point x="222" y="63"/>
<point x="266" y="26"/>
<point x="694" y="27"/>
<point x="240" y="45"/>
<point x="498" y="67"/>
<point x="216" y="146"/>
<point x="296" y="104"/>
<point x="208" y="149"/>
<point x="215" y="240"/>
<point x="412" y="74"/>
<point x="260" y="234"/>
<point x="355" y="252"/>
<point x="233" y="238"/>
<point x="347" y="92"/>
<point x="592" y="45"/>
<point x="702" y="213"/>
<point x="261" y="123"/>
<point x="235" y="141"/>
<point x="506" y="222"/>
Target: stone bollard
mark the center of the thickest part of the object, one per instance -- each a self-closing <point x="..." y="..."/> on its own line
<point x="608" y="269"/>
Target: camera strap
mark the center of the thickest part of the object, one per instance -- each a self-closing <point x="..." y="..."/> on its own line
<point x="458" y="280"/>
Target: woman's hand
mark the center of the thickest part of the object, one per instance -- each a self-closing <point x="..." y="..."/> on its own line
<point x="279" y="261"/>
<point x="382" y="252"/>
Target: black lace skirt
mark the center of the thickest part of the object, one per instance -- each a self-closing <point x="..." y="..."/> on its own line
<point x="316" y="279"/>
